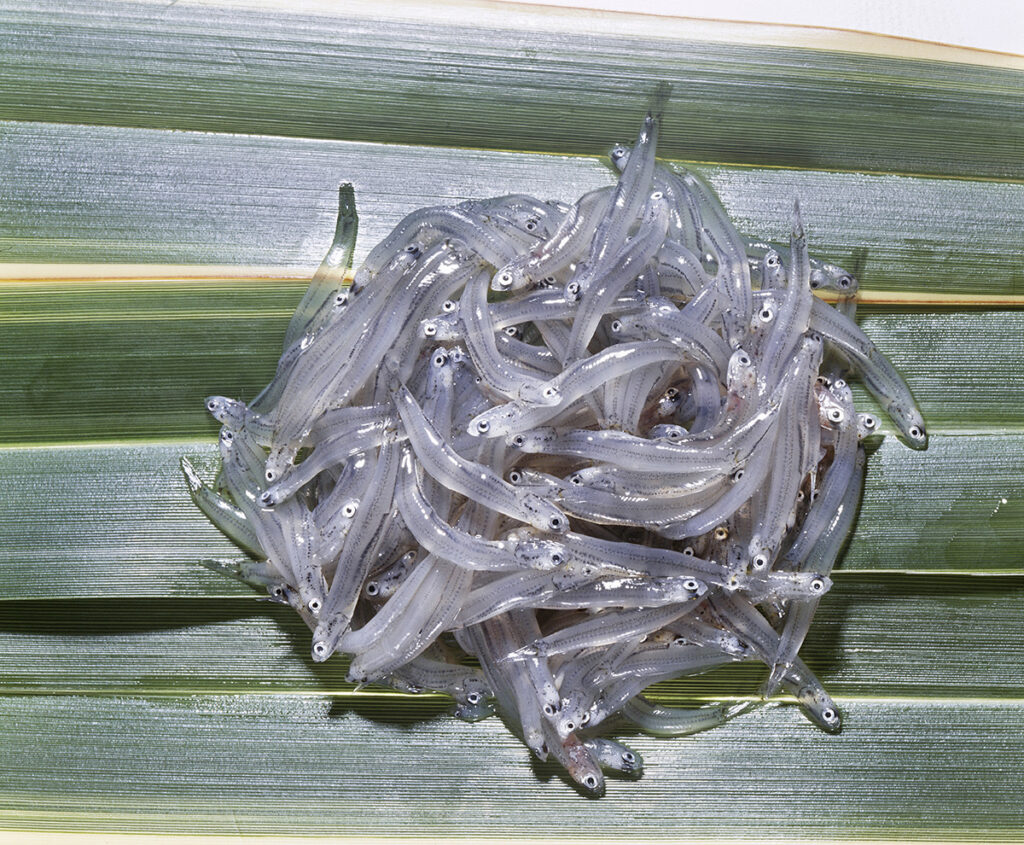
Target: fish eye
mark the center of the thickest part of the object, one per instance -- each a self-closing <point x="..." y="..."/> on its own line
<point x="550" y="392"/>
<point x="515" y="476"/>
<point x="585" y="718"/>
<point x="688" y="551"/>
<point x="474" y="698"/>
<point x="590" y="782"/>
<point x="483" y="426"/>
<point x="556" y="523"/>
<point x="840" y="383"/>
<point x="690" y="584"/>
<point x="760" y="561"/>
<point x="672" y="394"/>
<point x="372" y="588"/>
<point x="721" y="533"/>
<point x="412" y="249"/>
<point x="766" y="314"/>
<point x="835" y="415"/>
<point x="531" y="224"/>
<point x="314" y="605"/>
<point x="915" y="432"/>
<point x="518" y="440"/>
<point x="512" y="331"/>
<point x="618" y="152"/>
<point x="629" y="757"/>
<point x="576" y="479"/>
<point x="429" y="330"/>
<point x="744" y="359"/>
<point x="439" y="359"/>
<point x="549" y="710"/>
<point x="270" y="475"/>
<point x="349" y="510"/>
<point x="341" y="299"/>
<point x="657" y="195"/>
<point x="505" y="279"/>
<point x="845" y="282"/>
<point x="817" y="585"/>
<point x="572" y="289"/>
<point x="738" y="475"/>
<point x="557" y="558"/>
<point x="319" y="649"/>
<point x="772" y="260"/>
<point x="828" y="714"/>
<point x="448" y="306"/>
<point x="870" y="422"/>
<point x="616" y="326"/>
<point x="815" y="284"/>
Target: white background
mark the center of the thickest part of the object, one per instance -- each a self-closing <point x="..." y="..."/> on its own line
<point x="985" y="24"/>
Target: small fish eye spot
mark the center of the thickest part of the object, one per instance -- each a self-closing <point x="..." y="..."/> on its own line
<point x="829" y="715"/>
<point x="518" y="440"/>
<point x="815" y="283"/>
<point x="514" y="477"/>
<point x="690" y="584"/>
<point x="915" y="431"/>
<point x="721" y="533"/>
<point x="590" y="781"/>
<point x="585" y="718"/>
<point x="817" y="585"/>
<point x="629" y="756"/>
<point x="549" y="710"/>
<point x="320" y="648"/>
<point x="688" y="551"/>
<point x="483" y="425"/>
<point x="430" y="330"/>
<point x="844" y="281"/>
<point x="557" y="559"/>
<point x="570" y="726"/>
<point x="372" y="589"/>
<point x="766" y="315"/>
<point x="314" y="605"/>
<point x="473" y="698"/>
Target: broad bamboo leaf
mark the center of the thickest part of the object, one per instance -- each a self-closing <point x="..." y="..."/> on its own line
<point x="293" y="765"/>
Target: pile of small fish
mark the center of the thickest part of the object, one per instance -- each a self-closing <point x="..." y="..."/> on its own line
<point x="540" y="456"/>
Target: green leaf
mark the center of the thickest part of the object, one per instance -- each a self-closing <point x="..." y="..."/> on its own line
<point x="169" y="183"/>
